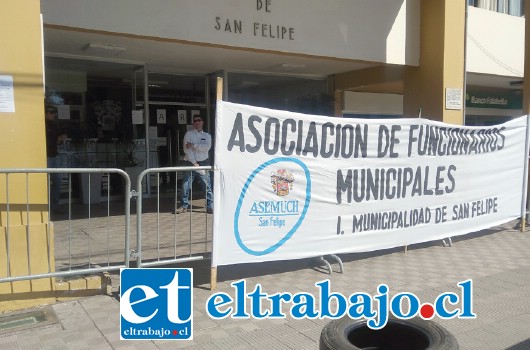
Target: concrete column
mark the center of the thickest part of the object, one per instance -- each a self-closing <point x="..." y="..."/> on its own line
<point x="339" y="103"/>
<point x="22" y="141"/>
<point x="442" y="33"/>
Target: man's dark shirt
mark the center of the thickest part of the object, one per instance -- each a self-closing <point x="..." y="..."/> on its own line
<point x="51" y="138"/>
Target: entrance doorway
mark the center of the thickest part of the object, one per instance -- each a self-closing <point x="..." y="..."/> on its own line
<point x="170" y="122"/>
<point x="173" y="100"/>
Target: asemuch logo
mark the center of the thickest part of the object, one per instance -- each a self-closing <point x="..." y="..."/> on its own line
<point x="156" y="304"/>
<point x="276" y="214"/>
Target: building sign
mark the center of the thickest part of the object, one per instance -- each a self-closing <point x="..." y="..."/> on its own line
<point x="295" y="186"/>
<point x="257" y="28"/>
<point x="307" y="27"/>
<point x="510" y="100"/>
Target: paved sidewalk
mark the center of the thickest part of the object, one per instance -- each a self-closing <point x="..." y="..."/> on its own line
<point x="498" y="261"/>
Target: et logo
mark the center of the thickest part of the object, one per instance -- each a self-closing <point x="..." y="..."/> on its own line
<point x="156" y="304"/>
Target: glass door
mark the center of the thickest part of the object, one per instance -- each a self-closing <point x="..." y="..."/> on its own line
<point x="172" y="102"/>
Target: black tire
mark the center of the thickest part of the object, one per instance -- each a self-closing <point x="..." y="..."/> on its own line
<point x="413" y="334"/>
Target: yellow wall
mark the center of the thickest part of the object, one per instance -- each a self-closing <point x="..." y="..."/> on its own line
<point x="381" y="79"/>
<point x="22" y="141"/>
<point x="442" y="27"/>
<point x="441" y="62"/>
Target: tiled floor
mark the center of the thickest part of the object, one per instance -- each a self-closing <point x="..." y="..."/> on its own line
<point x="497" y="260"/>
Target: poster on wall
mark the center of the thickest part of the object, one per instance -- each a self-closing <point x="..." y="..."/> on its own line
<point x="296" y="186"/>
<point x="182" y="116"/>
<point x="7" y="94"/>
<point x="453" y="98"/>
<point x="161" y="116"/>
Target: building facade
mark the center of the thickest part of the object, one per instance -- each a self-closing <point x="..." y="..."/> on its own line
<point x="127" y="76"/>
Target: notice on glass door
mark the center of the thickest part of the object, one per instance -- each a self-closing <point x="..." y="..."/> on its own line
<point x="161" y="116"/>
<point x="182" y="116"/>
<point x="7" y="94"/>
<point x="138" y="117"/>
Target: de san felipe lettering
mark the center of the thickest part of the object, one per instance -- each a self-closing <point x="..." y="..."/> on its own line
<point x="263" y="30"/>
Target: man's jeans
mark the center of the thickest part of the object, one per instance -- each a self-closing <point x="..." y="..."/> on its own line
<point x="189" y="176"/>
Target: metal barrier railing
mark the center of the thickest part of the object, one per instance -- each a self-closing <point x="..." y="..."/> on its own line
<point x="85" y="239"/>
<point x="170" y="244"/>
<point x="91" y="243"/>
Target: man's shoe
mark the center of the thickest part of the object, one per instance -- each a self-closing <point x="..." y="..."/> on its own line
<point x="209" y="210"/>
<point x="181" y="210"/>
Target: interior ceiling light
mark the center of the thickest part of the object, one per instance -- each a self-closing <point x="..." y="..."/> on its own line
<point x="289" y="66"/>
<point x="103" y="49"/>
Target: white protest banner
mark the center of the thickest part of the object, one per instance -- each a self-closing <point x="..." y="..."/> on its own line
<point x="293" y="186"/>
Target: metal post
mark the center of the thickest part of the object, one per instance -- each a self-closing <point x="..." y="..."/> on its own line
<point x="139" y="201"/>
<point x="146" y="114"/>
<point x="213" y="278"/>
<point x="465" y="62"/>
<point x="219" y="89"/>
<point x="28" y="225"/>
<point x="8" y="243"/>
<point x="525" y="176"/>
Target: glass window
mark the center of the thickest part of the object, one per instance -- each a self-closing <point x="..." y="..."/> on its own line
<point x="485" y="120"/>
<point x="98" y="96"/>
<point x="515" y="7"/>
<point x="281" y="92"/>
<point x="173" y="88"/>
<point x="511" y="7"/>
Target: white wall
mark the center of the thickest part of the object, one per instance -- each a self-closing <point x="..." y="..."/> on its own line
<point x="370" y="30"/>
<point x="495" y="43"/>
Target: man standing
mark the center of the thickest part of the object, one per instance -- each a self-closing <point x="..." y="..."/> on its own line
<point x="196" y="143"/>
<point x="53" y="138"/>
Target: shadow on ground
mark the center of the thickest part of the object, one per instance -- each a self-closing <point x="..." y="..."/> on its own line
<point x="524" y="345"/>
<point x="202" y="268"/>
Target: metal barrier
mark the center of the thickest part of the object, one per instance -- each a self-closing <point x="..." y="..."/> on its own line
<point x="89" y="242"/>
<point x="160" y="244"/>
